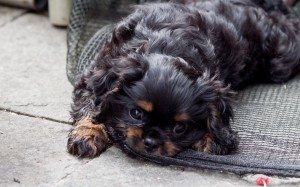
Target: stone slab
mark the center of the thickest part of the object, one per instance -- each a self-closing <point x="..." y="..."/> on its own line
<point x="32" y="67"/>
<point x="113" y="168"/>
<point x="8" y="14"/>
<point x="33" y="151"/>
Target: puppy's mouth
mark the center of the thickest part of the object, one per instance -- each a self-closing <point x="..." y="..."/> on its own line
<point x="148" y="145"/>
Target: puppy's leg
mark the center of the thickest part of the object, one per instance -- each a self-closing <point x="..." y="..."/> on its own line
<point x="214" y="145"/>
<point x="87" y="139"/>
<point x="282" y="49"/>
<point x="272" y="5"/>
<point x="206" y="144"/>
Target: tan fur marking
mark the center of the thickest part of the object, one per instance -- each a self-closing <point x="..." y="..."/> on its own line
<point x="85" y="127"/>
<point x="208" y="142"/>
<point x="134" y="140"/>
<point x="94" y="135"/>
<point x="146" y="105"/>
<point x="203" y="144"/>
<point x="134" y="132"/>
<point x="170" y="148"/>
<point x="181" y="116"/>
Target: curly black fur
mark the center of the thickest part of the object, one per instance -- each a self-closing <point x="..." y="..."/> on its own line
<point x="186" y="58"/>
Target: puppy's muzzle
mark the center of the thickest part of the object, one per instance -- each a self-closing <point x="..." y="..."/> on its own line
<point x="151" y="144"/>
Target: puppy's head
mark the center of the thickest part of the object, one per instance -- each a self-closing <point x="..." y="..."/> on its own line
<point x="159" y="105"/>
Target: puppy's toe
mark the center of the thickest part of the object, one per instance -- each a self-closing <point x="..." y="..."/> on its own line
<point x="86" y="147"/>
<point x="204" y="145"/>
<point x="212" y="146"/>
<point x="87" y="141"/>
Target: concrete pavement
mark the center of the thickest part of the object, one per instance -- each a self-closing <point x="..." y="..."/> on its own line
<point x="35" y="97"/>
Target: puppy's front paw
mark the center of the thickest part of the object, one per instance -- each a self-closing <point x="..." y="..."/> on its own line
<point x="87" y="140"/>
<point x="211" y="145"/>
<point x="206" y="145"/>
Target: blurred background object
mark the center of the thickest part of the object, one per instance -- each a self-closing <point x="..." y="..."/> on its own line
<point x="36" y="5"/>
<point x="87" y="18"/>
<point x="59" y="12"/>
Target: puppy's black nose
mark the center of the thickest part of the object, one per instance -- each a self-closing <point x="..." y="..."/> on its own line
<point x="151" y="144"/>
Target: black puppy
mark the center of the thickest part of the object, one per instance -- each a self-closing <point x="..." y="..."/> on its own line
<point x="164" y="81"/>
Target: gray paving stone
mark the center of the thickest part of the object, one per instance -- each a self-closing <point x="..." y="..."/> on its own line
<point x="33" y="151"/>
<point x="8" y="14"/>
<point x="113" y="168"/>
<point x="33" y="60"/>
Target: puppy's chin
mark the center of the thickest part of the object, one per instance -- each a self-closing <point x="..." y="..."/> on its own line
<point x="135" y="140"/>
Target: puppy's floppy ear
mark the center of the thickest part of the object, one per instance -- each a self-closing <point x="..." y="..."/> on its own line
<point x="219" y="137"/>
<point x="110" y="78"/>
<point x="223" y="139"/>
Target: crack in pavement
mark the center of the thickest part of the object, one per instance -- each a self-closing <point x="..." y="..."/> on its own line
<point x="67" y="175"/>
<point x="34" y="116"/>
<point x="14" y="18"/>
<point x="31" y="104"/>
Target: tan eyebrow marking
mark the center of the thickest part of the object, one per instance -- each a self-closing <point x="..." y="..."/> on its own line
<point x="146" y="105"/>
<point x="181" y="116"/>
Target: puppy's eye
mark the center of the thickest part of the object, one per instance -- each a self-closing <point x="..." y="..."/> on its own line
<point x="136" y="114"/>
<point x="179" y="128"/>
